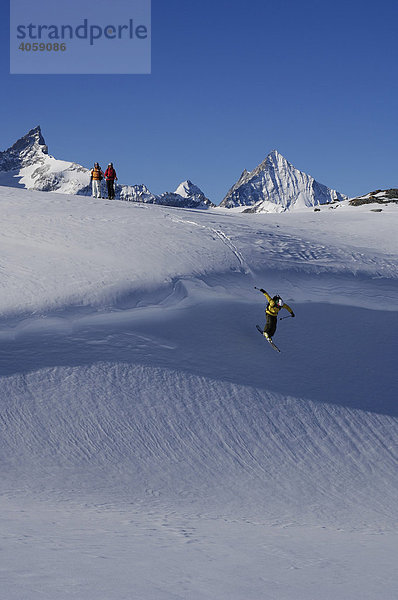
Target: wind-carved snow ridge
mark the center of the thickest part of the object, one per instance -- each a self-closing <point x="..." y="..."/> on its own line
<point x="276" y="186"/>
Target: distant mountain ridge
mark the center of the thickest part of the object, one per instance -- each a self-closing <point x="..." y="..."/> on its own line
<point x="28" y="164"/>
<point x="377" y="197"/>
<point x="275" y="185"/>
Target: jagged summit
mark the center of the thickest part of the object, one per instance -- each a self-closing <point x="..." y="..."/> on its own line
<point x="28" y="164"/>
<point x="29" y="149"/>
<point x="275" y="185"/>
<point x="34" y="137"/>
<point x="187" y="189"/>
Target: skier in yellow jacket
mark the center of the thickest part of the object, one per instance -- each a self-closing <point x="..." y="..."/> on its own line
<point x="275" y="304"/>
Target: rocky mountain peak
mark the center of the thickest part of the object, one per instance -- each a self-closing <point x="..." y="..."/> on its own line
<point x="275" y="185"/>
<point x="29" y="149"/>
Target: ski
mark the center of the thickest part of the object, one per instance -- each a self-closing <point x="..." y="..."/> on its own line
<point x="271" y="343"/>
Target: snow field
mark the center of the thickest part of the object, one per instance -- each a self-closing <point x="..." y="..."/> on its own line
<point x="153" y="445"/>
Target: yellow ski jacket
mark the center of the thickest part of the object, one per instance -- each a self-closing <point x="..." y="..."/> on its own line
<point x="273" y="308"/>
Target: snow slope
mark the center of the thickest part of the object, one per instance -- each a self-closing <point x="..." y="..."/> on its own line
<point x="153" y="443"/>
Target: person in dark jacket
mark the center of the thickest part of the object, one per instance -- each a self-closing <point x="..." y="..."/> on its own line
<point x="275" y="304"/>
<point x="110" y="178"/>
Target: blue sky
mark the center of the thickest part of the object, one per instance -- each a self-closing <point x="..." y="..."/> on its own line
<point x="230" y="82"/>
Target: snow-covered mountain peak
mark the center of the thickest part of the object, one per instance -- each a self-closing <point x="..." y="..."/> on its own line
<point x="193" y="194"/>
<point x="186" y="189"/>
<point x="276" y="156"/>
<point x="273" y="160"/>
<point x="29" y="149"/>
<point x="34" y="137"/>
<point x="275" y="185"/>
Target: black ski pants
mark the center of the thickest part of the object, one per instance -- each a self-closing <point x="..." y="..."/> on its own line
<point x="270" y="325"/>
<point x="111" y="188"/>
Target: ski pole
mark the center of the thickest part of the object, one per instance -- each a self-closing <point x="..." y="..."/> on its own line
<point x="288" y="317"/>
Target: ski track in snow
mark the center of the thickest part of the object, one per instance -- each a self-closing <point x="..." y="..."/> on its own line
<point x="152" y="444"/>
<point x="225" y="239"/>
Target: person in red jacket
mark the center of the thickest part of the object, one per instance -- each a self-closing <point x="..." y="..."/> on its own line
<point x="110" y="177"/>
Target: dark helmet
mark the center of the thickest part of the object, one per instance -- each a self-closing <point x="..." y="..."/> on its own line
<point x="278" y="301"/>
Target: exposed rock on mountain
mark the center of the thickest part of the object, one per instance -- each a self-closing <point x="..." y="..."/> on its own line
<point x="275" y="185"/>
